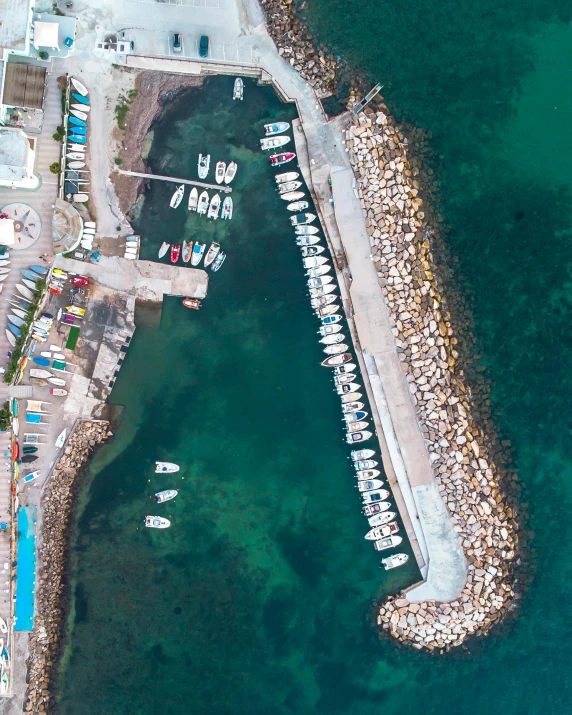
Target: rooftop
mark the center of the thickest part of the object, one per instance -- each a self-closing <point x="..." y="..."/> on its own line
<point x="14" y="27"/>
<point x="13" y="154"/>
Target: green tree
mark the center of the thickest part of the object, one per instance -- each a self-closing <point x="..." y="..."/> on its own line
<point x="55" y="168"/>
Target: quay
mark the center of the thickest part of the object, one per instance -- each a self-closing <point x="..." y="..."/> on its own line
<point x="190" y="182"/>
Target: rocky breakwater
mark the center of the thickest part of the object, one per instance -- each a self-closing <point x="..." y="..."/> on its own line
<point x="51" y="596"/>
<point x="468" y="479"/>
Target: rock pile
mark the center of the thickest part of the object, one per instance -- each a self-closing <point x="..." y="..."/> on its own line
<point x="468" y="479"/>
<point x="50" y="594"/>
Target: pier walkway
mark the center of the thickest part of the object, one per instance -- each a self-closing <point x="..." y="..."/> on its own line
<point x="191" y="182"/>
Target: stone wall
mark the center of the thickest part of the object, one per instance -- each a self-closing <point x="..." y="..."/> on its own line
<point x="51" y="597"/>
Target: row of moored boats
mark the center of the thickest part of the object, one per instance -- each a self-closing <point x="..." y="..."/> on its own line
<point x="76" y="175"/>
<point x="194" y="251"/>
<point x="159" y="522"/>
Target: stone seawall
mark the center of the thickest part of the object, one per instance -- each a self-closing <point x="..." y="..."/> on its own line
<point x="51" y="596"/>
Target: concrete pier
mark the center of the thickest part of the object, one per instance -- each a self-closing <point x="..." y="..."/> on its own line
<point x="174" y="180"/>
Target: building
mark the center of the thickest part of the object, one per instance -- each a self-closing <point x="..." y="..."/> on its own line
<point x="17" y="156"/>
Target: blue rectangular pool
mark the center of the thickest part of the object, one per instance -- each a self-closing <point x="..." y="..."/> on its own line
<point x="26" y="569"/>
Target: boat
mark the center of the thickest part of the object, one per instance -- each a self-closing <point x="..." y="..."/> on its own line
<point x="343" y="379"/>
<point x="204" y="165"/>
<point x="313" y="262"/>
<point x="355" y="437"/>
<point x="227" y="208"/>
<point x="4" y="262"/>
<point x="288" y="187"/>
<point x="30" y="477"/>
<point x="301" y="219"/>
<point x="175" y="252"/>
<point x="193" y="199"/>
<point x="276" y="128"/>
<point x="164" y="248"/>
<point x="75" y="122"/>
<point x="76" y="139"/>
<point x="368" y="473"/>
<point x="166" y="495"/>
<point x="351" y="407"/>
<point x="319" y="271"/>
<point x="24" y="291"/>
<point x="387" y="543"/>
<point x="329" y="329"/>
<point x="356" y="417"/>
<point x="45" y="362"/>
<point x="76" y="164"/>
<point x="15" y="320"/>
<point x="220" y="171"/>
<point x="214" y="207"/>
<point x="166" y="467"/>
<point x="40" y="270"/>
<point x="337" y="360"/>
<point x="230" y="172"/>
<point x="320" y="281"/>
<point x="76" y="310"/>
<point x="192" y="303"/>
<point x="79" y="97"/>
<point x="212" y="253"/>
<point x="3" y="626"/>
<point x="28" y="459"/>
<point x="58" y="392"/>
<point x="19" y="313"/>
<point x="186" y="251"/>
<point x="335" y="349"/>
<point x="382" y="531"/>
<point x="369" y="484"/>
<point x="219" y="260"/>
<point x="373" y="509"/>
<point x="306" y="230"/>
<point x="177" y="197"/>
<point x="362" y="454"/>
<point x="329" y="319"/>
<point x="29" y="284"/>
<point x="322" y="291"/>
<point x="203" y="203"/>
<point x="79" y="114"/>
<point x="81" y="198"/>
<point x="286" y="176"/>
<point x="332" y="339"/>
<point x="282" y="158"/>
<point x="349" y="387"/>
<point x="273" y="142"/>
<point x="79" y="87"/>
<point x="61" y="439"/>
<point x="11" y="338"/>
<point x="29" y="450"/>
<point x="298" y="206"/>
<point x="57" y="381"/>
<point x="326" y="309"/>
<point x="375" y="496"/>
<point x="312" y="250"/>
<point x="292" y="195"/>
<point x="238" y="90"/>
<point x="362" y="464"/>
<point x="81" y="107"/>
<point x="344" y="369"/>
<point x="14" y="330"/>
<point x="75" y="156"/>
<point x="78" y="131"/>
<point x="77" y="147"/>
<point x="198" y="250"/>
<point x="307" y="240"/>
<point x="157" y="522"/>
<point x="321" y="301"/>
<point x="392" y="562"/>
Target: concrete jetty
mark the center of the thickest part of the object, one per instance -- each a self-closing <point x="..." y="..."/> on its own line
<point x="173" y="179"/>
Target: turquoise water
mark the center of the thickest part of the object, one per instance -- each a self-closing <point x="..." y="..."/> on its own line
<point x="26" y="569"/>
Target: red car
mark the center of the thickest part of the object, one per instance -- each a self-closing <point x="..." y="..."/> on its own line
<point x="80" y="281"/>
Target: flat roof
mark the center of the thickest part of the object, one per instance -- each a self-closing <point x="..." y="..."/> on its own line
<point x="13" y="152"/>
<point x="24" y="85"/>
<point x="14" y="27"/>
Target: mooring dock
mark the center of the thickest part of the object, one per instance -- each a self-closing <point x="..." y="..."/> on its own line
<point x="174" y="180"/>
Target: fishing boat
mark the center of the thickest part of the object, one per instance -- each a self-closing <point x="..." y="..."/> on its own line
<point x="368" y="473"/>
<point x="382" y="531"/>
<point x="369" y="484"/>
<point x="238" y="90"/>
<point x="77" y="147"/>
<point x="75" y="122"/>
<point x="298" y="206"/>
<point x="322" y="301"/>
<point x="166" y="495"/>
<point x="219" y="260"/>
<point x="79" y="114"/>
<point x="57" y="381"/>
<point x="273" y="142"/>
<point x="81" y="107"/>
<point x="313" y="262"/>
<point x="11" y="338"/>
<point x="345" y="369"/>
<point x="329" y="319"/>
<point x="288" y="187"/>
<point x="292" y="195"/>
<point x="343" y="379"/>
<point x="177" y="197"/>
<point x="204" y="165"/>
<point x="166" y="467"/>
<point x="220" y="171"/>
<point x="79" y="87"/>
<point x="312" y="250"/>
<point x="164" y="248"/>
<point x="362" y="464"/>
<point x="319" y="281"/>
<point x="301" y="219"/>
<point x="351" y="407"/>
<point x="327" y="309"/>
<point x="282" y="158"/>
<point x="58" y="392"/>
<point x="175" y="252"/>
<point x="157" y="522"/>
<point x="286" y="176"/>
<point x="392" y="562"/>
<point x="387" y="543"/>
<point x="230" y="172"/>
<point x="61" y="439"/>
<point x="212" y="253"/>
<point x="226" y="208"/>
<point x="307" y="240"/>
<point x="193" y="199"/>
<point x="362" y="454"/>
<point x="350" y="387"/>
<point x="356" y="437"/>
<point x="214" y="207"/>
<point x="276" y="128"/>
<point x="306" y="230"/>
<point x="192" y="303"/>
<point x="198" y="251"/>
<point x="335" y="349"/>
<point x="337" y="360"/>
<point x="332" y="339"/>
<point x="203" y="204"/>
<point x="41" y="270"/>
<point x="186" y="251"/>
<point x="329" y="329"/>
<point x="75" y="156"/>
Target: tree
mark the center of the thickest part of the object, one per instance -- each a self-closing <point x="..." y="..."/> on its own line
<point x="55" y="168"/>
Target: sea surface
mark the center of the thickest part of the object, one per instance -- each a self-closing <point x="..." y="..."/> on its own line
<point x="259" y="598"/>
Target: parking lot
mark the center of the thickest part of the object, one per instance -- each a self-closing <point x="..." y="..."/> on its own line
<point x="160" y="44"/>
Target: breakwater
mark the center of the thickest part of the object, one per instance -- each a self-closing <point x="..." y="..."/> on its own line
<point x="51" y="597"/>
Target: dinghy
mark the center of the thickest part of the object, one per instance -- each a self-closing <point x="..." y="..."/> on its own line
<point x="41" y="374"/>
<point x="75" y="156"/>
<point x="164" y="248"/>
<point x="75" y="122"/>
<point x="77" y="147"/>
<point x="166" y="467"/>
<point x="79" y="114"/>
<point x="238" y="90"/>
<point x="57" y="381"/>
<point x="193" y="199"/>
<point x="282" y="158"/>
<point x="77" y="139"/>
<point x="40" y="270"/>
<point x="166" y="495"/>
<point x="276" y="128"/>
<point x="392" y="562"/>
<point x="19" y="313"/>
<point x="79" y="87"/>
<point x="80" y="98"/>
<point x="11" y="338"/>
<point x="230" y="172"/>
<point x="58" y="392"/>
<point x="203" y="203"/>
<point x="298" y="206"/>
<point x="61" y="439"/>
<point x="292" y="196"/>
<point x="191" y="303"/>
<point x="29" y="284"/>
<point x="286" y="176"/>
<point x="157" y="522"/>
<point x="198" y="251"/>
<point x="175" y="252"/>
<point x="84" y="108"/>
<point x="214" y="207"/>
<point x="272" y="142"/>
<point x="203" y="166"/>
<point x="177" y="197"/>
<point x="220" y="172"/>
<point x="219" y="260"/>
<point x="186" y="251"/>
<point x="76" y="164"/>
<point x="212" y="253"/>
<point x="226" y="208"/>
<point x="78" y="131"/>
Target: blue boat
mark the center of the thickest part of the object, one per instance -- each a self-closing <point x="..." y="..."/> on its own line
<point x="30" y="275"/>
<point x="329" y="319"/>
<point x="30" y="450"/>
<point x="77" y="139"/>
<point x="14" y="330"/>
<point x="79" y="131"/>
<point x="17" y="321"/>
<point x="77" y="122"/>
<point x="40" y="270"/>
<point x="80" y="98"/>
<point x="41" y="361"/>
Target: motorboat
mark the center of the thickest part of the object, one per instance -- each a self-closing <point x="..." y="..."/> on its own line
<point x="292" y="195"/>
<point x="344" y="379"/>
<point x="58" y="392"/>
<point x="335" y="349"/>
<point x="192" y="303"/>
<point x="77" y="147"/>
<point x="350" y="387"/>
<point x="306" y="230"/>
<point x="175" y="252"/>
<point x="203" y="204"/>
<point x="376" y="496"/>
<point x="344" y="369"/>
<point x="356" y="426"/>
<point x="40" y="270"/>
<point x="330" y="319"/>
<point x="312" y="250"/>
<point x="282" y="158"/>
<point x="373" y="509"/>
<point x="212" y="253"/>
<point x="357" y="437"/>
<point x="350" y="407"/>
<point x="356" y="416"/>
<point x="276" y="128"/>
<point x="85" y="108"/>
<point x="204" y="165"/>
<point x="79" y="87"/>
<point x="220" y="172"/>
<point x="332" y="339"/>
<point x="177" y="197"/>
<point x="319" y="281"/>
<point x="79" y="114"/>
<point x="288" y="187"/>
<point x="327" y="309"/>
<point x="307" y="240"/>
<point x="369" y="484"/>
<point x="166" y="495"/>
<point x="362" y="464"/>
<point x="61" y="438"/>
<point x="286" y="176"/>
<point x="219" y="260"/>
<point x="238" y="90"/>
<point x="166" y="467"/>
<point x="319" y="271"/>
<point x="387" y="543"/>
<point x="24" y="291"/>
<point x="193" y="199"/>
<point x="322" y="301"/>
<point x="298" y="206"/>
<point x="186" y="251"/>
<point x="323" y="290"/>
<point x="157" y="522"/>
<point x="329" y="329"/>
<point x="75" y="122"/>
<point x="392" y="562"/>
<point x="226" y="209"/>
<point x="198" y="251"/>
<point x="313" y="262"/>
<point x="214" y="207"/>
<point x="335" y="360"/>
<point x="230" y="172"/>
<point x="164" y="248"/>
<point x="57" y="381"/>
<point x="382" y="532"/>
<point x="273" y="142"/>
<point x="301" y="219"/>
<point x="368" y="473"/>
<point x="362" y="454"/>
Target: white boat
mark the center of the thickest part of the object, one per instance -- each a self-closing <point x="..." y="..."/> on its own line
<point x="336" y="349"/>
<point x="362" y="464"/>
<point x="307" y="240"/>
<point x="381" y="519"/>
<point x="382" y="532"/>
<point x="90" y="224"/>
<point x="368" y="473"/>
<point x="203" y="204"/>
<point x="230" y="172"/>
<point x="157" y="522"/>
<point x="351" y="407"/>
<point x="166" y="495"/>
<point x="79" y="87"/>
<point x="220" y="172"/>
<point x="306" y="230"/>
<point x="81" y="107"/>
<point x="238" y="90"/>
<point x="5" y="271"/>
<point x="368" y="484"/>
<point x="286" y="176"/>
<point x="329" y="329"/>
<point x="356" y="437"/>
<point x="301" y="219"/>
<point x="356" y="426"/>
<point x="312" y="250"/>
<point x="334" y="319"/>
<point x="166" y="467"/>
<point x="392" y="562"/>
<point x="198" y="251"/>
<point x="388" y="543"/>
<point x="193" y="199"/>
<point x="29" y="284"/>
<point x="57" y="381"/>
<point x="318" y="271"/>
<point x="58" y="392"/>
<point x="292" y="196"/>
<point x="75" y="156"/>
<point x="79" y="114"/>
<point x="324" y="290"/>
<point x="350" y="387"/>
<point x="76" y="147"/>
<point x="374" y="496"/>
<point x="332" y="339"/>
<point x="177" y="197"/>
<point x="288" y="187"/>
<point x="313" y="262"/>
<point x="212" y="253"/>
<point x="61" y="440"/>
<point x="24" y="291"/>
<point x="298" y="206"/>
<point x="164" y="248"/>
<point x="226" y="209"/>
<point x="325" y="310"/>
<point x="273" y="142"/>
<point x="11" y="338"/>
<point x="319" y="281"/>
<point x="219" y="260"/>
<point x="323" y="301"/>
<point x="20" y="313"/>
<point x="276" y="128"/>
<point x="204" y="165"/>
<point x="214" y="207"/>
<point x="4" y="262"/>
<point x="81" y="198"/>
<point x="362" y="454"/>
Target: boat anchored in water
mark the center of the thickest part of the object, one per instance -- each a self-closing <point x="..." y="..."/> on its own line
<point x="220" y="172"/>
<point x="369" y="484"/>
<point x="166" y="495"/>
<point x="204" y="165"/>
<point x="276" y="128"/>
<point x="166" y="467"/>
<point x="288" y="187"/>
<point x="286" y="176"/>
<point x="186" y="251"/>
<point x="298" y="205"/>
<point x="387" y="543"/>
<point x="157" y="522"/>
<point x="214" y="207"/>
<point x="382" y="532"/>
<point x="230" y="172"/>
<point x="226" y="212"/>
<point x="193" y="199"/>
<point x="392" y="562"/>
<point x="356" y="437"/>
<point x="300" y="219"/>
<point x="212" y="253"/>
<point x="198" y="250"/>
<point x="272" y="142"/>
<point x="177" y="197"/>
<point x="381" y="519"/>
<point x="238" y="91"/>
<point x="203" y="204"/>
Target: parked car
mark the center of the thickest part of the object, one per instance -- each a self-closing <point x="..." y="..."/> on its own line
<point x="177" y="42"/>
<point x="80" y="281"/>
<point x="204" y="46"/>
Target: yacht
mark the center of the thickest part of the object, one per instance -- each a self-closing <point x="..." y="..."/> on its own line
<point x="382" y="532"/>
<point x="166" y="495"/>
<point x="157" y="522"/>
<point x="392" y="562"/>
<point x="387" y="543"/>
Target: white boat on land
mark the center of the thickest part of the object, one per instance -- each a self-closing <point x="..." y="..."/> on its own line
<point x="357" y="437"/>
<point x="289" y="186"/>
<point x="238" y="91"/>
<point x="61" y="440"/>
<point x="230" y="172"/>
<point x="301" y="219"/>
<point x="329" y="329"/>
<point x="298" y="206"/>
<point x="198" y="251"/>
<point x="362" y="454"/>
<point x="381" y="519"/>
<point x="313" y="261"/>
<point x="350" y="387"/>
<point x="85" y="108"/>
<point x="76" y="164"/>
<point x="392" y="562"/>
<point x="276" y="128"/>
<point x="286" y="176"/>
<point x="79" y="114"/>
<point x="306" y="230"/>
<point x="177" y="197"/>
<point x="193" y="199"/>
<point x="368" y="473"/>
<point x="76" y="147"/>
<point x="312" y="250"/>
<point x="273" y="142"/>
<point x="186" y="251"/>
<point x="214" y="207"/>
<point x="203" y="204"/>
<point x="166" y="495"/>
<point x="166" y="467"/>
<point x="369" y="484"/>
<point x="75" y="156"/>
<point x="204" y="165"/>
<point x="226" y="209"/>
<point x="11" y="338"/>
<point x="164" y="248"/>
<point x="4" y="262"/>
<point x="293" y="196"/>
<point x="81" y="198"/>
<point x="212" y="253"/>
<point x="79" y="87"/>
<point x="388" y="543"/>
<point x="58" y="392"/>
<point x="157" y="522"/>
<point x="382" y="532"/>
<point x="57" y="381"/>
<point x="24" y="291"/>
<point x="220" y="172"/>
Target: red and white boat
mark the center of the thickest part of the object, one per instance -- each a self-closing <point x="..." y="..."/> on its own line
<point x="335" y="360"/>
<point x="192" y="303"/>
<point x="175" y="252"/>
<point x="282" y="158"/>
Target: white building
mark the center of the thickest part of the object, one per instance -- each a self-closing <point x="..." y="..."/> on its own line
<point x="17" y="156"/>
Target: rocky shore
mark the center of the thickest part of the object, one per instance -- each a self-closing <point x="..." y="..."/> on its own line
<point x="51" y="595"/>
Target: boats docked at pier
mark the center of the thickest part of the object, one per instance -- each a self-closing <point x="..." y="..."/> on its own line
<point x="157" y="522"/>
<point x="306" y="230"/>
<point x="214" y="207"/>
<point x="175" y="252"/>
<point x="382" y="532"/>
<point x="203" y="204"/>
<point x="362" y="464"/>
<point x="220" y="171"/>
<point x="381" y="519"/>
<point x="307" y="240"/>
<point x="337" y="360"/>
<point x="388" y="543"/>
<point x="288" y="187"/>
<point x="292" y="195"/>
<point x="186" y="251"/>
<point x="392" y="562"/>
<point x="276" y="128"/>
<point x="379" y="508"/>
<point x="198" y="251"/>
<point x="204" y="165"/>
<point x="166" y="495"/>
<point x="370" y="484"/>
<point x="368" y="473"/>
<point x="193" y="199"/>
<point x="318" y="271"/>
<point x="230" y="172"/>
<point x="300" y="219"/>
<point x="177" y="197"/>
<point x="376" y="496"/>
<point x="286" y="176"/>
<point x="212" y="253"/>
<point x="166" y="467"/>
<point x="219" y="260"/>
<point x="282" y="158"/>
<point x="273" y="142"/>
<point x="357" y="437"/>
<point x="238" y="91"/>
<point x="358" y="454"/>
<point x="226" y="212"/>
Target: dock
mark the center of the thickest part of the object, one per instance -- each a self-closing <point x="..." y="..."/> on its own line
<point x="174" y="180"/>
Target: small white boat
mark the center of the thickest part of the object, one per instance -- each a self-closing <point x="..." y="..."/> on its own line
<point x="81" y="198"/>
<point x="329" y="329"/>
<point x="306" y="230"/>
<point x="332" y="339"/>
<point x="351" y="407"/>
<point x="319" y="281"/>
<point x="193" y="199"/>
<point x="157" y="522"/>
<point x="220" y="172"/>
<point x="387" y="543"/>
<point x="76" y="147"/>
<point x="369" y="484"/>
<point x="230" y="172"/>
<point x="356" y="437"/>
<point x="364" y="463"/>
<point x="381" y="519"/>
<point x="79" y="114"/>
<point x="81" y="107"/>
<point x="11" y="338"/>
<point x="177" y="197"/>
<point x="198" y="251"/>
<point x="382" y="532"/>
<point x="204" y="165"/>
<point x="58" y="392"/>
<point x="214" y="207"/>
<point x="166" y="495"/>
<point x="368" y="473"/>
<point x="350" y="387"/>
<point x="57" y="381"/>
<point x="24" y="291"/>
<point x="322" y="290"/>
<point x="60" y="441"/>
<point x="5" y="271"/>
<point x="313" y="262"/>
<point x="238" y="91"/>
<point x="392" y="562"/>
<point x="327" y="309"/>
<point x="203" y="204"/>
<point x="298" y="206"/>
<point x="312" y="250"/>
<point x="286" y="176"/>
<point x="226" y="209"/>
<point x="323" y="301"/>
<point x="75" y="156"/>
<point x="336" y="349"/>
<point x="375" y="496"/>
<point x="79" y="87"/>
<point x="212" y="253"/>
<point x="343" y="379"/>
<point x="164" y="248"/>
<point x="166" y="467"/>
<point x="4" y="262"/>
<point x="273" y="142"/>
<point x="288" y="187"/>
<point x="358" y="454"/>
<point x="89" y="224"/>
<point x="307" y="240"/>
<point x="293" y="196"/>
<point x="301" y="219"/>
<point x="276" y="128"/>
<point x="3" y="626"/>
<point x="319" y="271"/>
